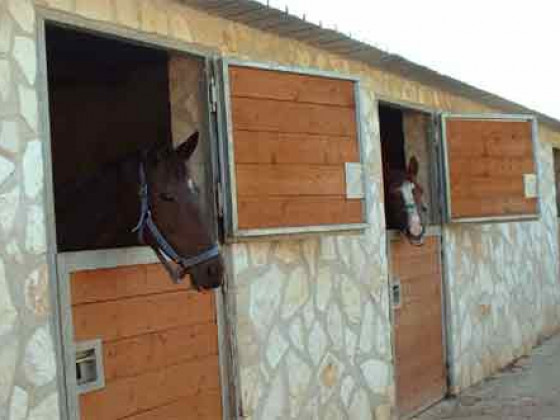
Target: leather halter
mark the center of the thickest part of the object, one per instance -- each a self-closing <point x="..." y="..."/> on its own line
<point x="163" y="249"/>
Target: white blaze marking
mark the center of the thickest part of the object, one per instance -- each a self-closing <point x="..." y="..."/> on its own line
<point x="406" y="189"/>
<point x="414" y="222"/>
<point x="190" y="185"/>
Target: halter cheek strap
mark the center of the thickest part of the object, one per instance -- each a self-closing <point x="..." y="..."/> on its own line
<point x="163" y="249"/>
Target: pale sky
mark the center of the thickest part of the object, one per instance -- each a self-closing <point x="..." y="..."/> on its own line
<point x="509" y="48"/>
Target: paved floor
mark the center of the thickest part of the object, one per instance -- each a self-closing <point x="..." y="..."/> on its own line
<point x="528" y="389"/>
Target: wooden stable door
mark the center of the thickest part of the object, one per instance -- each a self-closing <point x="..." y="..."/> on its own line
<point x="418" y="326"/>
<point x="159" y="345"/>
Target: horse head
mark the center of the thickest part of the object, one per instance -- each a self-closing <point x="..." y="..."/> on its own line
<point x="171" y="220"/>
<point x="406" y="205"/>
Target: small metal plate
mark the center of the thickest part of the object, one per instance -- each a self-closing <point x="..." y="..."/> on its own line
<point x="530" y="185"/>
<point x="396" y="293"/>
<point x="354" y="180"/>
<point x="90" y="375"/>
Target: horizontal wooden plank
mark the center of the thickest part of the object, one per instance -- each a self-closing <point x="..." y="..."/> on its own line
<point x="417" y="267"/>
<point x="484" y="187"/>
<point x="141" y="315"/>
<point x="294" y="148"/>
<point x="115" y="283"/>
<point x="254" y="180"/>
<point x="426" y="287"/>
<point x="269" y="212"/>
<point x="289" y="117"/>
<point x="284" y="86"/>
<point x="477" y="138"/>
<point x="207" y="406"/>
<point x="420" y="361"/>
<point x="153" y="351"/>
<point x="137" y="394"/>
<point x="409" y="316"/>
<point x="490" y="167"/>
<point x="489" y="207"/>
<point x="401" y="249"/>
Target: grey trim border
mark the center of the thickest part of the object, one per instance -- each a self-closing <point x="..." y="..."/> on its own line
<point x="233" y="232"/>
<point x="309" y="71"/>
<point x="486" y="219"/>
<point x="404" y="105"/>
<point x="55" y="291"/>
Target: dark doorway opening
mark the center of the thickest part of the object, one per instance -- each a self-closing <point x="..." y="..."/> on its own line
<point x="406" y="133"/>
<point x="109" y="99"/>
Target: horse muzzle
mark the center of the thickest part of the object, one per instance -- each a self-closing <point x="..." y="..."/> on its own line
<point x="208" y="274"/>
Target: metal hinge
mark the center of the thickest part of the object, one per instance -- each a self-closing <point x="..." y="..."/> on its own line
<point x="213" y="95"/>
<point x="220" y="195"/>
<point x="437" y="133"/>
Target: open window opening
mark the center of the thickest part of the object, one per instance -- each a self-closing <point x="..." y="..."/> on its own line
<point x="407" y="136"/>
<point x="110" y="99"/>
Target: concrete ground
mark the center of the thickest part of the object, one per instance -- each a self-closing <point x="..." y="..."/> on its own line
<point x="527" y="389"/>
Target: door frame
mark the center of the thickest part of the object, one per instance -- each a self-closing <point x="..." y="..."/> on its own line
<point x="436" y="229"/>
<point x="60" y="265"/>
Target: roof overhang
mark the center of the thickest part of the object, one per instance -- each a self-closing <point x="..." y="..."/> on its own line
<point x="263" y="17"/>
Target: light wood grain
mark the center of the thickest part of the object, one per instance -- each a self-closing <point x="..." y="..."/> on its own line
<point x="293" y="148"/>
<point x="418" y="324"/>
<point x="160" y="344"/>
<point x="292" y="87"/>
<point x="135" y="394"/>
<point x="487" y="160"/>
<point x="292" y="117"/>
<point x="261" y="212"/>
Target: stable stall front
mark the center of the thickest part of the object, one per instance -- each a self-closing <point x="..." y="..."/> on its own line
<point x="331" y="307"/>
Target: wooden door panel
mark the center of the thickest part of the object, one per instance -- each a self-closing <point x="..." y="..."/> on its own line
<point x="160" y="345"/>
<point x="418" y="329"/>
<point x="487" y="159"/>
<point x="292" y="135"/>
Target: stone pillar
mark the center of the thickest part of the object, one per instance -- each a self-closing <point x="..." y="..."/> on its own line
<point x="27" y="357"/>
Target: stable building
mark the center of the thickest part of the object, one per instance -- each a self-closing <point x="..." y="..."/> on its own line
<point x="326" y="311"/>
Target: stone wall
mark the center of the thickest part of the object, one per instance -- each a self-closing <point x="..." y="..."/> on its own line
<point x="502" y="283"/>
<point x="314" y="336"/>
<point x="313" y="317"/>
<point x="27" y="355"/>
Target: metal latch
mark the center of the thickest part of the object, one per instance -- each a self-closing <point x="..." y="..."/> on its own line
<point x="89" y="366"/>
<point x="213" y="95"/>
<point x="396" y="295"/>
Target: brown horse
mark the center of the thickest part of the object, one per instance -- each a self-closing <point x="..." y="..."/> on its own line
<point x="405" y="205"/>
<point x="146" y="198"/>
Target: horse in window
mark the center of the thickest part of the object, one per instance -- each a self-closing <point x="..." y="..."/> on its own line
<point x="150" y="198"/>
<point x="405" y="205"/>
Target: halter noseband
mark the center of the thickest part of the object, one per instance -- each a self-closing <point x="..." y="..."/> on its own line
<point x="163" y="249"/>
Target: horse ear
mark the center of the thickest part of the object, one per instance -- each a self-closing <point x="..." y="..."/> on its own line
<point x="412" y="169"/>
<point x="187" y="148"/>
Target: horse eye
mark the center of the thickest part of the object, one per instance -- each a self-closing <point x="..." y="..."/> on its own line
<point x="166" y="196"/>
